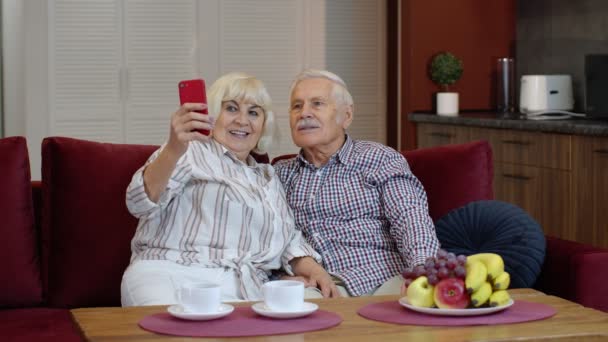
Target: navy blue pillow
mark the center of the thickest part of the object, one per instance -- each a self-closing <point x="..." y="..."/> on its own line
<point x="496" y="227"/>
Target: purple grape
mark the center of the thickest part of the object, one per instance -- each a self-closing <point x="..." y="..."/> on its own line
<point x="451" y="263"/>
<point x="443" y="273"/>
<point x="433" y="279"/>
<point x="419" y="271"/>
<point x="442" y="253"/>
<point x="440" y="264"/>
<point x="462" y="259"/>
<point x="431" y="271"/>
<point x="451" y="256"/>
<point x="408" y="273"/>
<point x="429" y="264"/>
<point x="460" y="272"/>
<point x="429" y="259"/>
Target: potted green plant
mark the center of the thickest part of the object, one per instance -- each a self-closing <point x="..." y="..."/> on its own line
<point x="445" y="69"/>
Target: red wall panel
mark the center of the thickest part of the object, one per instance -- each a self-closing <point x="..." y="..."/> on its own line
<point x="477" y="31"/>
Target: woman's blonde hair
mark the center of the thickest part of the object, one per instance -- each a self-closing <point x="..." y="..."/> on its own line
<point x="242" y="87"/>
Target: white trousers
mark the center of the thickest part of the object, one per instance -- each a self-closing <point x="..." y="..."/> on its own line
<point x="154" y="282"/>
<point x="390" y="287"/>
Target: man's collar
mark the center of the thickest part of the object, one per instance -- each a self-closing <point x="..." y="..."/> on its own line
<point x="344" y="153"/>
<point x="341" y="156"/>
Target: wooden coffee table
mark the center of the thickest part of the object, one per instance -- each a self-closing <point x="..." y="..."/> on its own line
<point x="572" y="322"/>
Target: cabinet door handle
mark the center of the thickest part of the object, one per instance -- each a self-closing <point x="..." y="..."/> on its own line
<point x="601" y="151"/>
<point x="517" y="142"/>
<point x="441" y="134"/>
<point x="518" y="177"/>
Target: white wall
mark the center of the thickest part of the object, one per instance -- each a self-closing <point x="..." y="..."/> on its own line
<point x="36" y="80"/>
<point x="12" y="82"/>
<point x="24" y="34"/>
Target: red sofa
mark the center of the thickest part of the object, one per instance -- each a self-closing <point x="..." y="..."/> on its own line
<point x="66" y="240"/>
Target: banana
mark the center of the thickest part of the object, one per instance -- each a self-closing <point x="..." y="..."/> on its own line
<point x="481" y="296"/>
<point x="493" y="262"/>
<point x="502" y="281"/>
<point x="499" y="298"/>
<point x="476" y="275"/>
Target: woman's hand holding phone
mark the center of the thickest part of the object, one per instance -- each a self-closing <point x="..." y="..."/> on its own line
<point x="186" y="124"/>
<point x="191" y="121"/>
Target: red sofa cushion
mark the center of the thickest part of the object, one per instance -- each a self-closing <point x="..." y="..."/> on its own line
<point x="587" y="279"/>
<point x="18" y="247"/>
<point x="86" y="228"/>
<point x="573" y="271"/>
<point x="453" y="175"/>
<point x="40" y="325"/>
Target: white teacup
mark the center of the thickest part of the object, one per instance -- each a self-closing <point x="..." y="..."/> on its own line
<point x="199" y="297"/>
<point x="284" y="295"/>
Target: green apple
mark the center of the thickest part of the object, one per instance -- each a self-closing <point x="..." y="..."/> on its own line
<point x="420" y="293"/>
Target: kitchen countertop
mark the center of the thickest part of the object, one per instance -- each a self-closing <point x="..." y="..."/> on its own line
<point x="516" y="121"/>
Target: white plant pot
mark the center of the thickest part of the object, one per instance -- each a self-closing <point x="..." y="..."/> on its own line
<point x="447" y="104"/>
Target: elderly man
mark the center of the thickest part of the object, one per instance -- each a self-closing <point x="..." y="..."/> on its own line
<point x="357" y="202"/>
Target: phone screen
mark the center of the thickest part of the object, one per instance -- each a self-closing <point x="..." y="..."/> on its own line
<point x="193" y="91"/>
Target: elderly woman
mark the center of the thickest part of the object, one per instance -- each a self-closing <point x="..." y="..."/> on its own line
<point x="208" y="212"/>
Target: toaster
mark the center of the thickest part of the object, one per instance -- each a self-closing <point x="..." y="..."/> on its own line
<point x="545" y="93"/>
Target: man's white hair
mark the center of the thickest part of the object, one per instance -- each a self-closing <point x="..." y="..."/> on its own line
<point x="339" y="90"/>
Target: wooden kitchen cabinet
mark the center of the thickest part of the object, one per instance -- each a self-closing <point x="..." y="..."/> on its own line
<point x="520" y="185"/>
<point x="429" y="135"/>
<point x="556" y="203"/>
<point x="527" y="148"/>
<point x="533" y="170"/>
<point x="511" y="146"/>
<point x="543" y="193"/>
<point x="590" y="188"/>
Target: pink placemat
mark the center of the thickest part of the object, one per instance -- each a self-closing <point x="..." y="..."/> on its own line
<point x="242" y="322"/>
<point x="392" y="312"/>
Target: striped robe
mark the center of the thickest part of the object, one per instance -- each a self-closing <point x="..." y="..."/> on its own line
<point x="217" y="211"/>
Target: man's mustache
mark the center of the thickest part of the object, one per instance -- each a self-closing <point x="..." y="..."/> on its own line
<point x="307" y="123"/>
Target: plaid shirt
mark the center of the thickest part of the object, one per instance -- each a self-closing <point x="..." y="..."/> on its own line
<point x="364" y="212"/>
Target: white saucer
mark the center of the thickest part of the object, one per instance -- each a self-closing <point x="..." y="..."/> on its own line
<point x="261" y="309"/>
<point x="178" y="311"/>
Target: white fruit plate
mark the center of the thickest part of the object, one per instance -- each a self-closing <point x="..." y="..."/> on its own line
<point x="455" y="312"/>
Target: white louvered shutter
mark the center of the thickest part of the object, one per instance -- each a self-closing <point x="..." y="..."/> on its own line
<point x="276" y="39"/>
<point x="160" y="50"/>
<point x="355" y="50"/>
<point x="114" y="64"/>
<point x="84" y="59"/>
<point x="261" y="38"/>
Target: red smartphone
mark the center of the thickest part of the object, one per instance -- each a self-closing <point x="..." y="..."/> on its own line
<point x="193" y="91"/>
